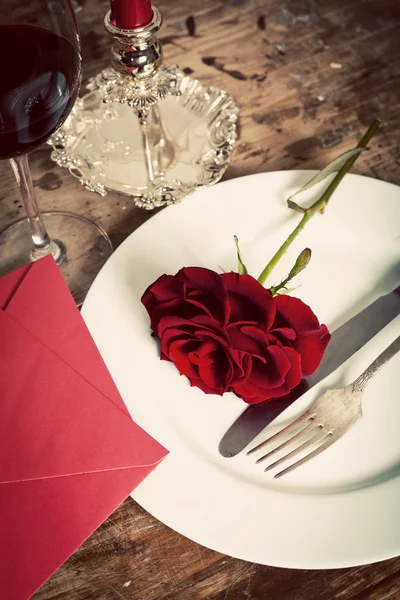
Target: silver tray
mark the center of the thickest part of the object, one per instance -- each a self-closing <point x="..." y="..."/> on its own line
<point x="101" y="144"/>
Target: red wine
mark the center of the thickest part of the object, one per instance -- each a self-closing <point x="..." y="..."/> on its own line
<point x="39" y="80"/>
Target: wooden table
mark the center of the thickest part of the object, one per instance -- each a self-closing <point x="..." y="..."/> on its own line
<point x="309" y="76"/>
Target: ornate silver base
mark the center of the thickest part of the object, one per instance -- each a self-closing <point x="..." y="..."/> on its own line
<point x="191" y="136"/>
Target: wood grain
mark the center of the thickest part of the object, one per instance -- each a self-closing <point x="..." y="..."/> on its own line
<point x="309" y="76"/>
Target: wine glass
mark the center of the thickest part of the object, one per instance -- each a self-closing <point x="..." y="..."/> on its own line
<point x="40" y="75"/>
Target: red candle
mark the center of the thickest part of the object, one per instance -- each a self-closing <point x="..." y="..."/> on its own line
<point x="129" y="14"/>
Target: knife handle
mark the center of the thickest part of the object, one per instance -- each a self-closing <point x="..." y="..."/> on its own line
<point x="363" y="380"/>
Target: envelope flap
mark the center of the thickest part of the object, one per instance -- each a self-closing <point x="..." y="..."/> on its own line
<point x="44" y="306"/>
<point x="53" y="422"/>
<point x="10" y="283"/>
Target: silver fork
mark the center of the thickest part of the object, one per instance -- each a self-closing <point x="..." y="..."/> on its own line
<point x="325" y="421"/>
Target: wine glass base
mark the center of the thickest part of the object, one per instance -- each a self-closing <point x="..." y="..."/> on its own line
<point x="84" y="246"/>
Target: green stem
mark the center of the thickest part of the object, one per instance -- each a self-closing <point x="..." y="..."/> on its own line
<point x="275" y="289"/>
<point x="276" y="258"/>
<point x="320" y="204"/>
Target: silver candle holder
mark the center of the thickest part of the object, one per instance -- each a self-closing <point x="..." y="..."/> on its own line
<point x="144" y="129"/>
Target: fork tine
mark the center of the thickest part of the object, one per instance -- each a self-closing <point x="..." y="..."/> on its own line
<point x="311" y="440"/>
<point x="329" y="437"/>
<point x="284" y="430"/>
<point x="300" y="433"/>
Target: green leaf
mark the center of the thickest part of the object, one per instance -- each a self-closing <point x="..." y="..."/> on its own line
<point x="295" y="206"/>
<point x="242" y="270"/>
<point x="333" y="166"/>
<point x="286" y="290"/>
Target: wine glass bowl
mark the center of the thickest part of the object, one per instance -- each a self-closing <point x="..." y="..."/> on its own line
<point x="38" y="86"/>
<point x="40" y="76"/>
<point x="40" y="73"/>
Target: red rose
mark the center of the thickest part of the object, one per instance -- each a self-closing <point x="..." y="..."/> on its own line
<point x="228" y="333"/>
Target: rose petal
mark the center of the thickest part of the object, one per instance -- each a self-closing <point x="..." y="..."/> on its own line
<point x="246" y="364"/>
<point x="294" y="375"/>
<point x="271" y="373"/>
<point x="261" y="380"/>
<point x="205" y="388"/>
<point x="264" y="339"/>
<point x="311" y="347"/>
<point x="218" y="374"/>
<point x="253" y="395"/>
<point x="212" y="326"/>
<point x="311" y="339"/>
<point x="170" y="336"/>
<point x="164" y="289"/>
<point x="191" y="291"/>
<point x="284" y="333"/>
<point x="202" y="342"/>
<point x="208" y="347"/>
<point x="295" y="313"/>
<point x="176" y="322"/>
<point x="249" y="300"/>
<point x="206" y="353"/>
<point x="245" y="343"/>
<point x="278" y="364"/>
<point x="179" y="355"/>
<point x="199" y="360"/>
<point x="240" y="363"/>
<point x="172" y="308"/>
<point x="271" y="380"/>
<point x="205" y="289"/>
<point x="250" y="396"/>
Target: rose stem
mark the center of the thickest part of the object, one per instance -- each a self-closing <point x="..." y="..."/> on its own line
<point x="320" y="204"/>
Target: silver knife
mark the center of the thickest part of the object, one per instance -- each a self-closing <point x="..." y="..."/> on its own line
<point x="345" y="342"/>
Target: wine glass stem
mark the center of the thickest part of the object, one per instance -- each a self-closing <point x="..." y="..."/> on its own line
<point x="42" y="244"/>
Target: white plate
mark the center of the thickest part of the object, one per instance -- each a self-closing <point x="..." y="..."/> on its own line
<point x="341" y="509"/>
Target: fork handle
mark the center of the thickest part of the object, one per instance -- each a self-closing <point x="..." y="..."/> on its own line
<point x="363" y="380"/>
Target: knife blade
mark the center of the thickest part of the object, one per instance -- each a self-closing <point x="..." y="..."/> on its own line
<point x="346" y="340"/>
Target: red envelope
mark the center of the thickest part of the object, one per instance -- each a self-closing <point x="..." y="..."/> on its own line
<point x="69" y="451"/>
